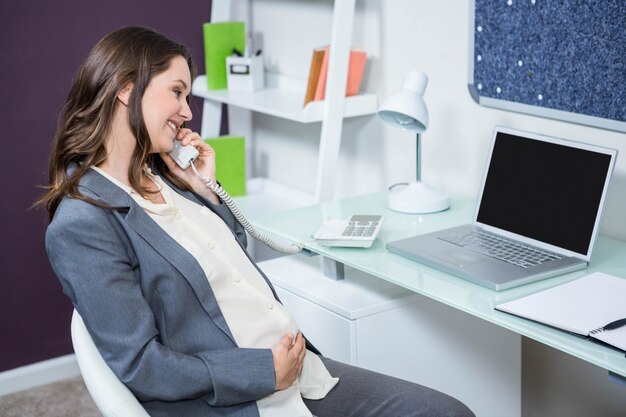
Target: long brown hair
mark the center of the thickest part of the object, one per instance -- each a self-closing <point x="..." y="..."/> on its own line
<point x="132" y="55"/>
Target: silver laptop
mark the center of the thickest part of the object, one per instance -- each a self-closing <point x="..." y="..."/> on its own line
<point x="537" y="216"/>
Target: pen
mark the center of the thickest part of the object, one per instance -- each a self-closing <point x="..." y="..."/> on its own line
<point x="611" y="326"/>
<point x="615" y="325"/>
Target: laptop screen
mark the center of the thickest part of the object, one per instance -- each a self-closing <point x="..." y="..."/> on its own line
<point x="544" y="190"/>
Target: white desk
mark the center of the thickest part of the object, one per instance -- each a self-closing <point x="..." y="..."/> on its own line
<point x="373" y="324"/>
<point x="470" y="299"/>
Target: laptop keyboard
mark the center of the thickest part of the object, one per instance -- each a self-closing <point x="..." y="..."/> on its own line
<point x="501" y="248"/>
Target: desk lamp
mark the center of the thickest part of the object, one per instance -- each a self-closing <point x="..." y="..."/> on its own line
<point x="406" y="110"/>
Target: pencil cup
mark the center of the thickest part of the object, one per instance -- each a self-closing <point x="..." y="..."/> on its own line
<point x="245" y="73"/>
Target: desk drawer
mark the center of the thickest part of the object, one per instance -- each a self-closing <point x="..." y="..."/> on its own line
<point x="330" y="333"/>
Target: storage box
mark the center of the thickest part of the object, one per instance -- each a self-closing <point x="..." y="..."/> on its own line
<point x="245" y="73"/>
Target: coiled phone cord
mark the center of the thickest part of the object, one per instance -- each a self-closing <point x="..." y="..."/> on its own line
<point x="223" y="195"/>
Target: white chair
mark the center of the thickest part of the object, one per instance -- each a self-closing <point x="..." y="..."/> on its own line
<point x="112" y="397"/>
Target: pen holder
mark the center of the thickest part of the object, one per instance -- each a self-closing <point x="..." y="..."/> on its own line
<point x="245" y="73"/>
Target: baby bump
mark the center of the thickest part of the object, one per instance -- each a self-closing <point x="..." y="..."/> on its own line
<point x="258" y="323"/>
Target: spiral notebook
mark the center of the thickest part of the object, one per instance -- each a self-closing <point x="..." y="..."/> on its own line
<point x="583" y="306"/>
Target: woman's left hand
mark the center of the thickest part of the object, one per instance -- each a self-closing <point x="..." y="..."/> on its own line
<point x="204" y="163"/>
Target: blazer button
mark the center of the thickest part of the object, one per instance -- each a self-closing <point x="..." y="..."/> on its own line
<point x="211" y="244"/>
<point x="178" y="215"/>
<point x="236" y="278"/>
<point x="270" y="305"/>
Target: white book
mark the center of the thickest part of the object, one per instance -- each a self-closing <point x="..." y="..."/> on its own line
<point x="581" y="306"/>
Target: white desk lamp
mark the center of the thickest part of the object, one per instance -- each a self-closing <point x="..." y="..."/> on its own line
<point x="406" y="109"/>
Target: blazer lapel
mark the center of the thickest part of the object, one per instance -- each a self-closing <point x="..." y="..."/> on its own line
<point x="160" y="241"/>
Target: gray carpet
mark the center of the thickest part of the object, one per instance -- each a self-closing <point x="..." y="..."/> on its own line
<point x="66" y="398"/>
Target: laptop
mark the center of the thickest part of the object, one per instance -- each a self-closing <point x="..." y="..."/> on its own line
<point x="537" y="216"/>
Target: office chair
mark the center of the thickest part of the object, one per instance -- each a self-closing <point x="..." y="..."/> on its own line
<point x="112" y="397"/>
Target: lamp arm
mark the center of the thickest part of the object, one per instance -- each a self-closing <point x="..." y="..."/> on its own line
<point x="418" y="163"/>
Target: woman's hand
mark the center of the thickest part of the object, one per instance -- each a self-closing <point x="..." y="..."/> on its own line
<point x="204" y="163"/>
<point x="288" y="359"/>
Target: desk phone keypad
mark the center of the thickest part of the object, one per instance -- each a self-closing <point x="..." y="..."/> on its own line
<point x="361" y="226"/>
<point x="360" y="230"/>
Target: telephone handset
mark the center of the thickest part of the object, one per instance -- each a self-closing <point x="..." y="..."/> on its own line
<point x="184" y="156"/>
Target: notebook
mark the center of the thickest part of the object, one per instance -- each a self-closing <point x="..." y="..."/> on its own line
<point x="583" y="306"/>
<point x="537" y="216"/>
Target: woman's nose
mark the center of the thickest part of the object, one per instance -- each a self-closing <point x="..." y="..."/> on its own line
<point x="185" y="111"/>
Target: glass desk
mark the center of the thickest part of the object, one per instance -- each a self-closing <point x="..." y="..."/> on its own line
<point x="298" y="225"/>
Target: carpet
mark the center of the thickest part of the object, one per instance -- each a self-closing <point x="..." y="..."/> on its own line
<point x="66" y="398"/>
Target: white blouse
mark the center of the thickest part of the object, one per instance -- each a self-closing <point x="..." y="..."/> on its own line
<point x="255" y="318"/>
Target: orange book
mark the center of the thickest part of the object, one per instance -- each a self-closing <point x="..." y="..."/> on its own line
<point x="314" y="73"/>
<point x="356" y="67"/>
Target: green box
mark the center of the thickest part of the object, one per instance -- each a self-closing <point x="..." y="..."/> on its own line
<point x="219" y="41"/>
<point x="230" y="163"/>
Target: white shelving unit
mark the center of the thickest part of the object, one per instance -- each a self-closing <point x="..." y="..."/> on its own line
<point x="283" y="98"/>
<point x="277" y="100"/>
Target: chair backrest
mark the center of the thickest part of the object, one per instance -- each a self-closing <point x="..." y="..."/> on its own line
<point x="112" y="397"/>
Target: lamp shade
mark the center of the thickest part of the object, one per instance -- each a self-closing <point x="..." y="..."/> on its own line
<point x="406" y="108"/>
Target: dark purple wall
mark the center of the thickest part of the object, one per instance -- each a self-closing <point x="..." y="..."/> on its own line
<point x="41" y="45"/>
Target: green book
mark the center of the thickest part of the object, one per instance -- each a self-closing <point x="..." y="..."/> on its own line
<point x="230" y="162"/>
<point x="219" y="41"/>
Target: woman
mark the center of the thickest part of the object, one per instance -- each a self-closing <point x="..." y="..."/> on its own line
<point x="157" y="267"/>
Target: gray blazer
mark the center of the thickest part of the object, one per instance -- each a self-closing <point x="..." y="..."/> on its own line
<point x="150" y="309"/>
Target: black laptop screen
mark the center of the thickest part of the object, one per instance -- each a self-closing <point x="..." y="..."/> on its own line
<point x="544" y="191"/>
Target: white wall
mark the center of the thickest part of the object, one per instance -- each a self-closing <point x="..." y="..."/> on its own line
<point x="400" y="35"/>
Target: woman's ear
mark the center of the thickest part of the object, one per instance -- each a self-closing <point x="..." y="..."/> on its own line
<point x="124" y="94"/>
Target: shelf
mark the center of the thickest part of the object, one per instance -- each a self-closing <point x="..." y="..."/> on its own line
<point x="265" y="196"/>
<point x="279" y="100"/>
<point x="283" y="97"/>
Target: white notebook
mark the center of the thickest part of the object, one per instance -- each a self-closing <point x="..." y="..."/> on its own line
<point x="581" y="306"/>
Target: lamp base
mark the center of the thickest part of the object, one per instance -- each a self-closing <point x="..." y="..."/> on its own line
<point x="418" y="198"/>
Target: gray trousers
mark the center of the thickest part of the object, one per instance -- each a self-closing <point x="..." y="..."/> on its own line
<point x="363" y="393"/>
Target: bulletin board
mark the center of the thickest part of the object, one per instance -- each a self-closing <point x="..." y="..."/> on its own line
<point x="561" y="59"/>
